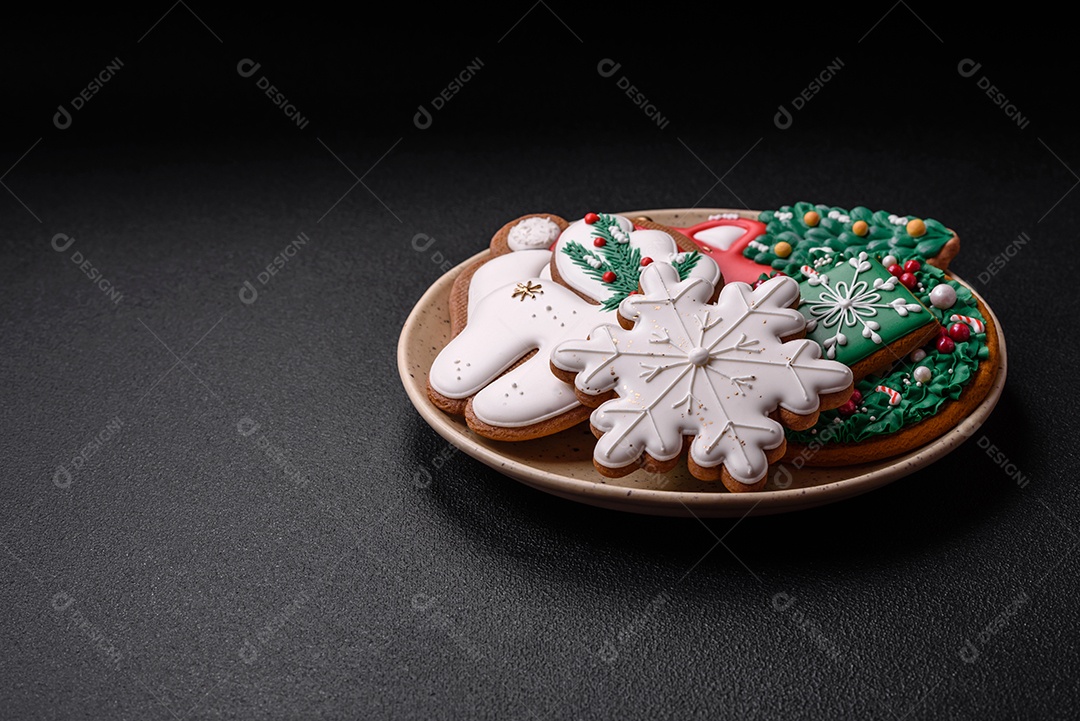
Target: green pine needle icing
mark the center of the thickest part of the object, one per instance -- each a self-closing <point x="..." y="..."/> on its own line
<point x="622" y="259"/>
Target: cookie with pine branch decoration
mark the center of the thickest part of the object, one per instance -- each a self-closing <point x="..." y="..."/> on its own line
<point x="596" y="259"/>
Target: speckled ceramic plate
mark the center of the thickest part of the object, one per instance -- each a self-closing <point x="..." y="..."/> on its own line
<point x="562" y="464"/>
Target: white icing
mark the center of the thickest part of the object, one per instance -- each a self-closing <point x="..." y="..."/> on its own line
<point x="532" y="233"/>
<point x="714" y="371"/>
<point x="620" y="235"/>
<point x="720" y="236"/>
<point x="654" y="244"/>
<point x="501" y="330"/>
<point x="497" y="271"/>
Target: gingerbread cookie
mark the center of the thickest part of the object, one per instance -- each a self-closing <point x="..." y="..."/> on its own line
<point x="513" y="308"/>
<point x="597" y="260"/>
<point x="922" y="394"/>
<point x="863" y="315"/>
<point x="709" y="378"/>
<point x="529" y="238"/>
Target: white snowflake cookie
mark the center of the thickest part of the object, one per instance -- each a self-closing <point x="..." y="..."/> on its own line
<point x="718" y="377"/>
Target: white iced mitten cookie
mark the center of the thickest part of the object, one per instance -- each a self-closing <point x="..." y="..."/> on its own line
<point x="522" y="247"/>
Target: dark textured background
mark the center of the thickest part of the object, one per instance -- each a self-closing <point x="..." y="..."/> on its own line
<point x="183" y="573"/>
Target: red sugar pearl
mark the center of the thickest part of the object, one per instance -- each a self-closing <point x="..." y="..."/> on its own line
<point x="609" y="277"/>
<point x="895" y="270"/>
<point x="856" y="397"/>
<point x="908" y="280"/>
<point x="946" y="344"/>
<point x="912" y="266"/>
<point x="959" y="332"/>
<point x="847" y="409"/>
<point x="591" y="218"/>
<point x="599" y="242"/>
<point x="645" y="261"/>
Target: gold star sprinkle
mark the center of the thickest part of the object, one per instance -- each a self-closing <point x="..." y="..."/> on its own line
<point x="527" y="290"/>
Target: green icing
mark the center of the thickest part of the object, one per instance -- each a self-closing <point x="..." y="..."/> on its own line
<point x="855" y="307"/>
<point x="620" y="257"/>
<point x="883" y="237"/>
<point x="950" y="373"/>
<point x="814" y="246"/>
<point x="684" y="264"/>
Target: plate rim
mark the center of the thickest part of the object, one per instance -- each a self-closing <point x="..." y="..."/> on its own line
<point x="692" y="503"/>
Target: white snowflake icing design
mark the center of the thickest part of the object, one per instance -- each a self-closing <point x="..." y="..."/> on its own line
<point x="688" y="367"/>
<point x="846" y="305"/>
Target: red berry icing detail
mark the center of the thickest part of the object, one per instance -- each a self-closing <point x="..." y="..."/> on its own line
<point x="959" y="332"/>
<point x="908" y="280"/>
<point x="912" y="266"/>
<point x="847" y="409"/>
<point x="856" y="397"/>
<point x="591" y="218"/>
<point x="609" y="277"/>
<point x="645" y="261"/>
<point x="599" y="242"/>
<point x="946" y="344"/>
<point x="895" y="270"/>
<point x="757" y="283"/>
